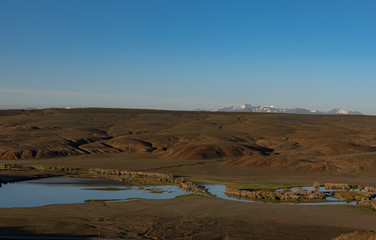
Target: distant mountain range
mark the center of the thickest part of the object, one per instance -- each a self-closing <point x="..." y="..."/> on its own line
<point x="273" y="109"/>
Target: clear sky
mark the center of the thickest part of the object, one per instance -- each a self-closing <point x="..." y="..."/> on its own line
<point x="188" y="54"/>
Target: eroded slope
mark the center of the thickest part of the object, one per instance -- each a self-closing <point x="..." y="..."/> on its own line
<point x="310" y="142"/>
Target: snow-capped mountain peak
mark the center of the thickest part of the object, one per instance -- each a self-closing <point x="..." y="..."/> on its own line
<point x="273" y="109"/>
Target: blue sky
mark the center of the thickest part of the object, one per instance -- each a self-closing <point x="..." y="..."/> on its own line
<point x="188" y="54"/>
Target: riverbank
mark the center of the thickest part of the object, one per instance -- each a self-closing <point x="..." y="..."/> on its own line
<point x="10" y="173"/>
<point x="181" y="218"/>
<point x="196" y="218"/>
<point x="366" y="197"/>
<point x="137" y="178"/>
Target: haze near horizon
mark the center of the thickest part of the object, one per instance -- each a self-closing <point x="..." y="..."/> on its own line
<point x="188" y="54"/>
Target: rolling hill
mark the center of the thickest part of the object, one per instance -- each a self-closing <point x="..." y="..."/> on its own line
<point x="334" y="143"/>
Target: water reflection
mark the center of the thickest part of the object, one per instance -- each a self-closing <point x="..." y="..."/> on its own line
<point x="61" y="190"/>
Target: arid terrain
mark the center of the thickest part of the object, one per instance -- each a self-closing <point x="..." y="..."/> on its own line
<point x="335" y="143"/>
<point x="243" y="150"/>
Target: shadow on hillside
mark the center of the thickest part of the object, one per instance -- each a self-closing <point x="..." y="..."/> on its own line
<point x="21" y="233"/>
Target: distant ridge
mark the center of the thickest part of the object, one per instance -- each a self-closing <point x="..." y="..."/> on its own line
<point x="273" y="109"/>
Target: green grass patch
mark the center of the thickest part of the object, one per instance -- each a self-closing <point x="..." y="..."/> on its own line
<point x="102" y="200"/>
<point x="107" y="189"/>
<point x="191" y="195"/>
<point x="152" y="190"/>
<point x="133" y="199"/>
<point x="247" y="184"/>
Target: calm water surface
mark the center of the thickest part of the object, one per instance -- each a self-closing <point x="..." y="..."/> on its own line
<point x="61" y="190"/>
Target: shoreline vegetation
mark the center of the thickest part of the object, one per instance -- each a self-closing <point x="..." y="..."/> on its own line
<point x="135" y="177"/>
<point x="298" y="195"/>
<point x="4" y="179"/>
<point x="364" y="196"/>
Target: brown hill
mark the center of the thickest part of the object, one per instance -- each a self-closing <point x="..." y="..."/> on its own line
<point x="310" y="142"/>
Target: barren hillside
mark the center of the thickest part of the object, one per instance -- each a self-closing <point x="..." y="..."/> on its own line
<point x="310" y="142"/>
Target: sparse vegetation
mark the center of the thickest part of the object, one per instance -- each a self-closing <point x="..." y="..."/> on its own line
<point x="348" y="196"/>
<point x="298" y="195"/>
<point x="107" y="189"/>
<point x="139" y="178"/>
<point x="132" y="176"/>
<point x="365" y="198"/>
<point x="268" y="186"/>
<point x="338" y="186"/>
<point x="191" y="195"/>
<point x="101" y="200"/>
<point x="370" y="189"/>
<point x="316" y="186"/>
